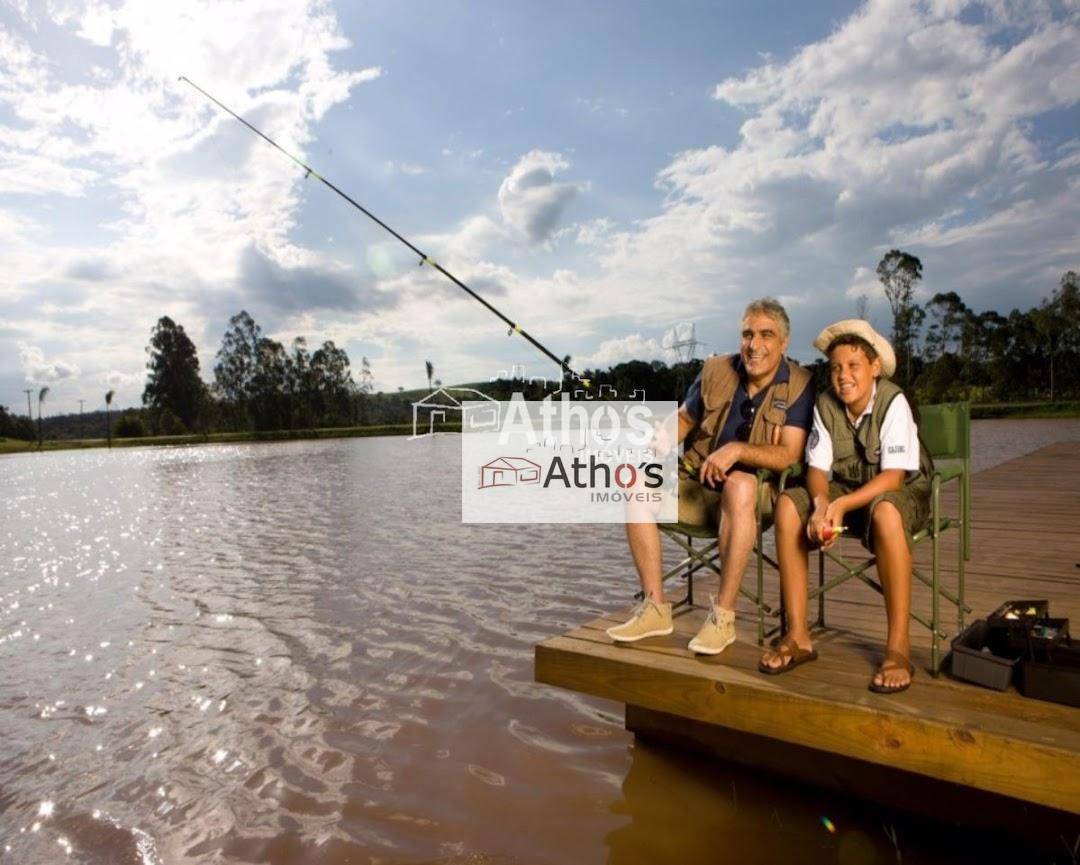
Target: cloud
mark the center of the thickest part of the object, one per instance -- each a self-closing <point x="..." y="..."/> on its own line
<point x="910" y="125"/>
<point x="91" y="269"/>
<point x="531" y="200"/>
<point x="169" y="192"/>
<point x="306" y="288"/>
<point x="620" y="349"/>
<point x="38" y="371"/>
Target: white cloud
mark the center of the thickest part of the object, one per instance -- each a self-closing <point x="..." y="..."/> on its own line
<point x="630" y="347"/>
<point x="530" y="198"/>
<point x="179" y="189"/>
<point x="39" y="371"/>
<point x="905" y="126"/>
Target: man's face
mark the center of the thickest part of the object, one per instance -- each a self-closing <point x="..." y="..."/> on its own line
<point x="763" y="346"/>
<point x="852" y="374"/>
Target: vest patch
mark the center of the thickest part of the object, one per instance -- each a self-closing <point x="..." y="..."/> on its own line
<point x="780" y="404"/>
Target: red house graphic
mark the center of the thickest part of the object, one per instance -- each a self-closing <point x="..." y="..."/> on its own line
<point x="509" y="472"/>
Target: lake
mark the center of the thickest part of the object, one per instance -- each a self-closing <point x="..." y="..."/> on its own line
<point x="295" y="652"/>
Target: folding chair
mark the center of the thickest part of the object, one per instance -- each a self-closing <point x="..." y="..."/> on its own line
<point x="706" y="556"/>
<point x="945" y="430"/>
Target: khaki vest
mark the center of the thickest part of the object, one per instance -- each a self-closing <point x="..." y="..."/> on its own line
<point x="719" y="381"/>
<point x="857" y="453"/>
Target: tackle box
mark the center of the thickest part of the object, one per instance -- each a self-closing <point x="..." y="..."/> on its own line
<point x="974" y="661"/>
<point x="1053" y="673"/>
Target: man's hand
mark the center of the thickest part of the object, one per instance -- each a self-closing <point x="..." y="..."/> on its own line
<point x="662" y="441"/>
<point x="714" y="470"/>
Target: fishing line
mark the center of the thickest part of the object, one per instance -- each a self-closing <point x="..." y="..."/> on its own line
<point x="424" y="258"/>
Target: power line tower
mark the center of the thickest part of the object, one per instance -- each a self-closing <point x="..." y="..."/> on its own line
<point x="679" y="340"/>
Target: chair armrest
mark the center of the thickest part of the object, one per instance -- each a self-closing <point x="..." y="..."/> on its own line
<point x="795" y="470"/>
<point x="948" y="473"/>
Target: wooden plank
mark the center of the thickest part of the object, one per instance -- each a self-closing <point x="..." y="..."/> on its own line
<point x="892" y="787"/>
<point x="1045" y="774"/>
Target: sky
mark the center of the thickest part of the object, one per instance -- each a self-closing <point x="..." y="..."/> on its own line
<point x="600" y="172"/>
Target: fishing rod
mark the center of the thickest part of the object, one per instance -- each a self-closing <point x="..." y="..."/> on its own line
<point x="424" y="257"/>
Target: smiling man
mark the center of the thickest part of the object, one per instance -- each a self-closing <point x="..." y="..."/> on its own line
<point x="744" y="412"/>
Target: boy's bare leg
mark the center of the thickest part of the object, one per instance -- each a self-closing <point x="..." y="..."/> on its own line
<point x="894" y="568"/>
<point x="792" y="551"/>
<point x="738" y="528"/>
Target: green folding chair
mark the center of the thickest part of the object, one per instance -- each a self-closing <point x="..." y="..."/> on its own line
<point x="706" y="555"/>
<point x="945" y="430"/>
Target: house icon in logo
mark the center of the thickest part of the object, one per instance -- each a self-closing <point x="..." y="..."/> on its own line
<point x="509" y="472"/>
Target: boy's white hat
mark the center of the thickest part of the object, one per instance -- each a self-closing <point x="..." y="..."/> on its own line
<point x="860" y="328"/>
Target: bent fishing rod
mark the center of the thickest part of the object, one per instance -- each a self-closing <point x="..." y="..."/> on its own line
<point x="424" y="258"/>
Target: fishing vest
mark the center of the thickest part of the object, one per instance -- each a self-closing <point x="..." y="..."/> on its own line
<point x="719" y="380"/>
<point x="857" y="452"/>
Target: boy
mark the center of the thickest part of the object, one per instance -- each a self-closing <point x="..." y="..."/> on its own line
<point x="865" y="437"/>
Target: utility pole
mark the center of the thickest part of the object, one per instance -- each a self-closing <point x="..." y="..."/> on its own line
<point x="80" y="417"/>
<point x="29" y="411"/>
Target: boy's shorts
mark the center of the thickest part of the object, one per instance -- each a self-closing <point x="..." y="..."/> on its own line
<point x="913" y="502"/>
<point x="700" y="506"/>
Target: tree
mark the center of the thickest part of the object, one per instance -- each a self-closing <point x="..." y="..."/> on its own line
<point x="131" y="426"/>
<point x="367" y="380"/>
<point x="333" y="383"/>
<point x="44" y="392"/>
<point x="237" y="361"/>
<point x="1056" y="321"/>
<point x="430" y="372"/>
<point x="108" y="422"/>
<point x="898" y="272"/>
<point x="173" y="383"/>
<point x="16" y="426"/>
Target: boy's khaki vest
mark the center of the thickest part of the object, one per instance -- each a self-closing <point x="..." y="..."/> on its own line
<point x="857" y="453"/>
<point x="718" y="383"/>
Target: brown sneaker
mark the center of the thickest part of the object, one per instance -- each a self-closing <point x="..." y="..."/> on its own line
<point x="716" y="634"/>
<point x="649" y="619"/>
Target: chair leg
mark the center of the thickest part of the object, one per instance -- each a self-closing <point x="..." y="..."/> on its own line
<point x="962" y="553"/>
<point x="821" y="595"/>
<point x="935" y="662"/>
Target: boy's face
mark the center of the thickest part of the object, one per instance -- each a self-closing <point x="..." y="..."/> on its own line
<point x="763" y="346"/>
<point x="852" y="374"/>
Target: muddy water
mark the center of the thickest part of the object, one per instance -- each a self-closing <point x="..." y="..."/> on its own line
<point x="295" y="652"/>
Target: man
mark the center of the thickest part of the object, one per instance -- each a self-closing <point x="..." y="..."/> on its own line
<point x="742" y="413"/>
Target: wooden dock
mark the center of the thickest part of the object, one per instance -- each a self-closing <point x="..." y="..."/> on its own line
<point x="943" y="744"/>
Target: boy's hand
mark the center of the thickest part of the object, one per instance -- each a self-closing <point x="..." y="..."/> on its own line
<point x="834" y="517"/>
<point x="815" y="526"/>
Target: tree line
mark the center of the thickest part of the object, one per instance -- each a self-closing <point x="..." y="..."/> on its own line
<point x="945" y="351"/>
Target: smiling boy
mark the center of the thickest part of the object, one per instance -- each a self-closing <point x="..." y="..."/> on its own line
<point x="867" y="472"/>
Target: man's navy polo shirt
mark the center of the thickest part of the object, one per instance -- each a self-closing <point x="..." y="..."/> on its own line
<point x="800" y="415"/>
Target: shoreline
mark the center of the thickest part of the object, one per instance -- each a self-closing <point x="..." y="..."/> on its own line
<point x="979" y="411"/>
<point x="17" y="446"/>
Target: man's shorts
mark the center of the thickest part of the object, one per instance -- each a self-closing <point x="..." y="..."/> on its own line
<point x="912" y="500"/>
<point x="700" y="506"/>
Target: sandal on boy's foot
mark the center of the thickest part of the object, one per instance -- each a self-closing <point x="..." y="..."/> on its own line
<point x="792" y="655"/>
<point x="893" y="661"/>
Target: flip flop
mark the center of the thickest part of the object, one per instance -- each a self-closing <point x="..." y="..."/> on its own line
<point x="896" y="661"/>
<point x="788" y="649"/>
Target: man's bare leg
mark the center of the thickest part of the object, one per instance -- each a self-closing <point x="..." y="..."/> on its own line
<point x="738" y="530"/>
<point x="644" y="541"/>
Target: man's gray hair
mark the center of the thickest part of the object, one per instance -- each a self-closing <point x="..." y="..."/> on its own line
<point x="773" y="309"/>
